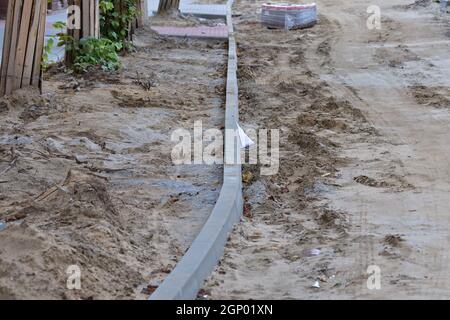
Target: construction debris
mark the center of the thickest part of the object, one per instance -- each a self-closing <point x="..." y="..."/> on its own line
<point x="286" y="16"/>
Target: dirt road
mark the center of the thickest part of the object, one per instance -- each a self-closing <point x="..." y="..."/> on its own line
<point x="87" y="179"/>
<point x="365" y="175"/>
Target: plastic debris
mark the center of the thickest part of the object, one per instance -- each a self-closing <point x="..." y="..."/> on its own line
<point x="316" y="285"/>
<point x="202" y="295"/>
<point x="315" y="252"/>
<point x="246" y="142"/>
<point x="2" y="225"/>
<point x="287" y="16"/>
<point x="312" y="252"/>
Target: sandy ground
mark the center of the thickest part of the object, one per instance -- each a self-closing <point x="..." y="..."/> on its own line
<point x="86" y="176"/>
<point x="364" y="177"/>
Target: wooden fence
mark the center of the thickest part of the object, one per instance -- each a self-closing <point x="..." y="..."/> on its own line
<point x="24" y="39"/>
<point x="23" y="45"/>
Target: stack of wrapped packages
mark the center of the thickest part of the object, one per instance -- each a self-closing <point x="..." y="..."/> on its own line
<point x="287" y="16"/>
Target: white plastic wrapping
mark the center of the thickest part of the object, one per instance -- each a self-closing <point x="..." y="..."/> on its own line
<point x="286" y="16"/>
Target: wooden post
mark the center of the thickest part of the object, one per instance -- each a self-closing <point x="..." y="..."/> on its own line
<point x="23" y="45"/>
<point x="145" y="11"/>
<point x="89" y="24"/>
<point x="142" y="17"/>
<point x="165" y="5"/>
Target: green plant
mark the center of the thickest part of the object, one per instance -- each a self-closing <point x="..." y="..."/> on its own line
<point x="96" y="52"/>
<point x="88" y="52"/>
<point x="115" y="22"/>
<point x="61" y="37"/>
<point x="47" y="51"/>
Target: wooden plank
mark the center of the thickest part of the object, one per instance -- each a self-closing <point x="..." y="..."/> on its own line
<point x="68" y="54"/>
<point x="133" y="22"/>
<point x="37" y="65"/>
<point x="140" y="17"/>
<point x="130" y="31"/>
<point x="97" y="19"/>
<point x="91" y="18"/>
<point x="139" y="12"/>
<point x="29" y="58"/>
<point x="85" y="20"/>
<point x="6" y="45"/>
<point x="143" y="14"/>
<point x="22" y="42"/>
<point x="77" y="33"/>
<point x="145" y="9"/>
<point x="10" y="73"/>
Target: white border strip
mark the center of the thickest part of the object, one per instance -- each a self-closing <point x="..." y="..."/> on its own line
<point x="188" y="277"/>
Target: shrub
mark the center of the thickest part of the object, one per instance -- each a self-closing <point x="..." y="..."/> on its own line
<point x="96" y="52"/>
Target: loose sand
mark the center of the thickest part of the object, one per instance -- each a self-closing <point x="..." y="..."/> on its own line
<point x="87" y="177"/>
<point x="364" y="176"/>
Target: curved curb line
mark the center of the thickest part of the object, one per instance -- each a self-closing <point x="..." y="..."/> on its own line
<point x="188" y="277"/>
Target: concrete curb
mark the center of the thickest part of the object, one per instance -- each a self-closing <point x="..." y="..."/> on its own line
<point x="207" y="11"/>
<point x="189" y="275"/>
<point x="211" y="33"/>
<point x="204" y="11"/>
